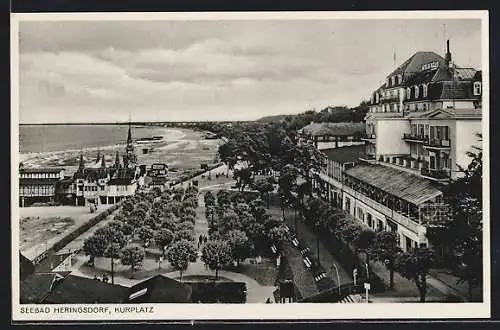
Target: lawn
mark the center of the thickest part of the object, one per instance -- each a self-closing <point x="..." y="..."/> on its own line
<point x="264" y="273"/>
<point x="41" y="227"/>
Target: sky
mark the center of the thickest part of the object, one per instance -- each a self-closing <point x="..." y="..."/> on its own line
<point x="106" y="71"/>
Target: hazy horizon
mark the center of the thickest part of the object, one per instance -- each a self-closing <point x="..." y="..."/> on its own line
<point x="106" y="71"/>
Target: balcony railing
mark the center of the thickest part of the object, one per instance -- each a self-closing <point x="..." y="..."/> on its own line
<point x="368" y="158"/>
<point x="436" y="174"/>
<point x="415" y="137"/>
<point x="437" y="143"/>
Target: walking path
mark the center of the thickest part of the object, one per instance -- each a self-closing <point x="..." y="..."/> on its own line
<point x="327" y="260"/>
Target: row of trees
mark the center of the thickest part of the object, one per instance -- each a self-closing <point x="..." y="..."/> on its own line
<point x="163" y="220"/>
<point x="239" y="227"/>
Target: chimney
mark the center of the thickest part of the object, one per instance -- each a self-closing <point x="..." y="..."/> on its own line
<point x="448" y="54"/>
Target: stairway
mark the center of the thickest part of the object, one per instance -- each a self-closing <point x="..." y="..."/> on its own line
<point x="352" y="299"/>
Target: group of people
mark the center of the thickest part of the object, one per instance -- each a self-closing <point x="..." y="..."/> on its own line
<point x="202" y="239"/>
<point x="105" y="278"/>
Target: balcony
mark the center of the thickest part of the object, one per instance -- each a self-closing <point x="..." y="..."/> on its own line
<point x="389" y="99"/>
<point x="438" y="175"/>
<point x="368" y="137"/>
<point x="409" y="137"/>
<point x="437" y="144"/>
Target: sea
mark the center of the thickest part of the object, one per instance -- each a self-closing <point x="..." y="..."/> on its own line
<point x="50" y="138"/>
<point x="62" y="145"/>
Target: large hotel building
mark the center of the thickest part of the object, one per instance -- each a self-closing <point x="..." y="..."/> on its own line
<point x="420" y="125"/>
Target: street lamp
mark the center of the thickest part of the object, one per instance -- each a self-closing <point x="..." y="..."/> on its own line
<point x="338" y="277"/>
<point x="355" y="275"/>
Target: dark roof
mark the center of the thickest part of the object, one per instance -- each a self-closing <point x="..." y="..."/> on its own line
<point x="119" y="182"/>
<point x="81" y="290"/>
<point x="159" y="289"/>
<point x="36" y="287"/>
<point x="26" y="266"/>
<point x="92" y="173"/>
<point x="347" y="154"/>
<point x="448" y="90"/>
<point x="421" y="77"/>
<point x="404" y="185"/>
<point x="41" y="169"/>
<point x="32" y="181"/>
<point x="333" y="129"/>
<point x="415" y="62"/>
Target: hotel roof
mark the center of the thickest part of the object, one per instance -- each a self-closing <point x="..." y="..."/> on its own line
<point x="33" y="182"/>
<point x="347" y="154"/>
<point x="415" y="62"/>
<point x="404" y="185"/>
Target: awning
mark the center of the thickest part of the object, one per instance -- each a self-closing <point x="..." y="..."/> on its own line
<point x="404" y="185"/>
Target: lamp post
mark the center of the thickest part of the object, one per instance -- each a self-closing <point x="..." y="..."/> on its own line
<point x="367" y="272"/>
<point x="355" y="275"/>
<point x="338" y="277"/>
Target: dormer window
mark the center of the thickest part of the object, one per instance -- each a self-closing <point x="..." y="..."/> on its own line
<point x="392" y="81"/>
<point x="387" y="82"/>
<point x="424" y="90"/>
<point x="400" y="78"/>
<point x="408" y="93"/>
<point x="477" y="88"/>
<point x="416" y="92"/>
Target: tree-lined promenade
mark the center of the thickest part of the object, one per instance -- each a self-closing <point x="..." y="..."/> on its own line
<point x="262" y="152"/>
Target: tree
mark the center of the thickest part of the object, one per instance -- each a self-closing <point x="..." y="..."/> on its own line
<point x="386" y="250"/>
<point x="187" y="235"/>
<point x="278" y="234"/>
<point x="132" y="256"/>
<point x="185" y="225"/>
<point x="113" y="252"/>
<point x="163" y="238"/>
<point x="415" y="266"/>
<point x="180" y="254"/>
<point x="365" y="241"/>
<point x="146" y="234"/>
<point x="229" y="221"/>
<point x="94" y="246"/>
<point x="209" y="198"/>
<point x="465" y="226"/>
<point x="239" y="244"/>
<point x="215" y="255"/>
<point x="264" y="186"/>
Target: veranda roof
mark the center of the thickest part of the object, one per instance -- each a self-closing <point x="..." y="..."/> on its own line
<point x="404" y="185"/>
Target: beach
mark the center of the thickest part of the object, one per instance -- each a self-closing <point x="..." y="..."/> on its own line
<point x="183" y="150"/>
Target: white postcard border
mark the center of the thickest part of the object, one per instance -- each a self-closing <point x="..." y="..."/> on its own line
<point x="248" y="311"/>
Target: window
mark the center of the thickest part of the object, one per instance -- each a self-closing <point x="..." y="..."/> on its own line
<point x="408" y="93"/>
<point x="361" y="215"/>
<point x="369" y="220"/>
<point x="416" y="92"/>
<point x="424" y="90"/>
<point x="477" y="88"/>
<point x="348" y="204"/>
<point x="400" y="78"/>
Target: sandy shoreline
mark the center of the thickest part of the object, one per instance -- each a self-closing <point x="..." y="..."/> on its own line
<point x="182" y="150"/>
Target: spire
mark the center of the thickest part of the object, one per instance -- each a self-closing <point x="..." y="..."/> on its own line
<point x="103" y="162"/>
<point x="448" y="54"/>
<point x="98" y="156"/>
<point x="117" y="159"/>
<point x="129" y="137"/>
<point x="81" y="165"/>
